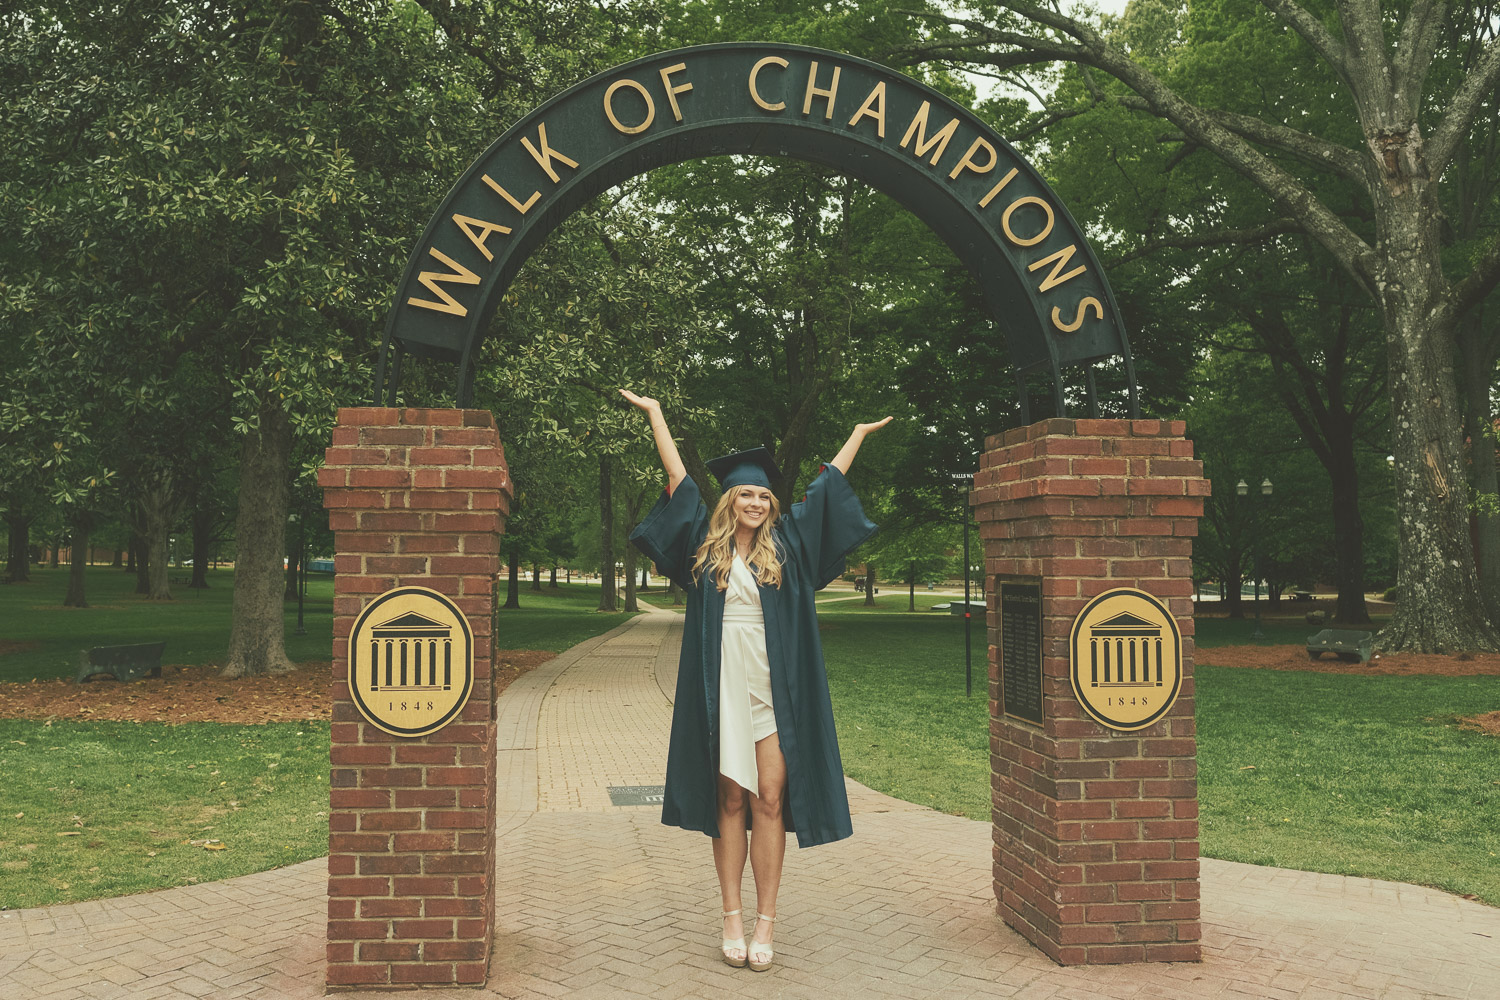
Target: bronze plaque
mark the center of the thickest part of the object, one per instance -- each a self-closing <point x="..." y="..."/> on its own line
<point x="411" y="661"/>
<point x="1125" y="659"/>
<point x="1021" y="651"/>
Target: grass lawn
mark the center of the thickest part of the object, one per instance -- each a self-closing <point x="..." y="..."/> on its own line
<point x="195" y="625"/>
<point x="1351" y="775"/>
<point x="1321" y="772"/>
<point x="96" y="809"/>
<point x="554" y="619"/>
<point x="905" y="726"/>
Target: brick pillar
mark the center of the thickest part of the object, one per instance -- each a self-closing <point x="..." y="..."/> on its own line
<point x="415" y="497"/>
<point x="1095" y="832"/>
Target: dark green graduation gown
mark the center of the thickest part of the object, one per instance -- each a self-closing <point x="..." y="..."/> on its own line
<point x="813" y="538"/>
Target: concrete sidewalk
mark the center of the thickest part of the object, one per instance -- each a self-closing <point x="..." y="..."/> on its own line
<point x="596" y="900"/>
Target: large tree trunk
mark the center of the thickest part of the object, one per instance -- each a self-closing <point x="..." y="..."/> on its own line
<point x="536" y="577"/>
<point x="1440" y="609"/>
<point x="553" y="582"/>
<point x="142" y="562"/>
<point x="1348" y="538"/>
<point x="869" y="585"/>
<point x="156" y="509"/>
<point x="632" y="604"/>
<point x="911" y="588"/>
<point x="1234" y="596"/>
<point x="606" y="538"/>
<point x="82" y="524"/>
<point x="676" y="593"/>
<point x="18" y="549"/>
<point x="632" y="511"/>
<point x="1478" y="353"/>
<point x="513" y="579"/>
<point x="203" y="525"/>
<point x="257" y="630"/>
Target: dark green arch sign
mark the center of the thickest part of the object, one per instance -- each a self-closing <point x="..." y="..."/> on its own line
<point x="1038" y="275"/>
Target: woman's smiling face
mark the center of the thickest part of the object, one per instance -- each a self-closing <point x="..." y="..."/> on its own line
<point x="752" y="505"/>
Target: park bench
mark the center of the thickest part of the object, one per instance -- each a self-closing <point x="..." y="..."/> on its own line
<point x="124" y="663"/>
<point x="1349" y="645"/>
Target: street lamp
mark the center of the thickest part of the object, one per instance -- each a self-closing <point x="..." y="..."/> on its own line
<point x="1243" y="489"/>
<point x="299" y="579"/>
<point x="963" y="512"/>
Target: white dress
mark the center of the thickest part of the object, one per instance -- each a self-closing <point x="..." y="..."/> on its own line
<point x="745" y="712"/>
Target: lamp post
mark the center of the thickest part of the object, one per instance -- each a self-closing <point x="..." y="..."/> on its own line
<point x="1243" y="489"/>
<point x="963" y="512"/>
<point x="301" y="581"/>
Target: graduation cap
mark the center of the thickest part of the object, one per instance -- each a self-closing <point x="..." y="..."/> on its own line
<point x="755" y="467"/>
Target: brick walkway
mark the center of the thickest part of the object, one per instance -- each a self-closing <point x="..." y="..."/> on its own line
<point x="603" y="901"/>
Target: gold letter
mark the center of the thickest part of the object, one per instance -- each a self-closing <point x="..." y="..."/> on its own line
<point x="548" y="154"/>
<point x="1083" y="307"/>
<point x="1058" y="261"/>
<point x="461" y="276"/>
<point x="877" y="99"/>
<point x="510" y="197"/>
<point x="968" y="159"/>
<point x="1000" y="186"/>
<point x="813" y="90"/>
<point x="1027" y="200"/>
<point x="918" y="128"/>
<point x="609" y="96"/>
<point x="672" y="91"/>
<point x="469" y="225"/>
<point x="755" y="94"/>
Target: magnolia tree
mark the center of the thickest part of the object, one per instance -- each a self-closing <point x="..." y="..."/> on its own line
<point x="1416" y="81"/>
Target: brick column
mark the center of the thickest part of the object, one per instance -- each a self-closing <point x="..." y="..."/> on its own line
<point x="415" y="497"/>
<point x="1095" y="832"/>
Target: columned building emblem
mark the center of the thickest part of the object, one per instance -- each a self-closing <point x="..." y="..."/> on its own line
<point x="1126" y="659"/>
<point x="411" y="661"/>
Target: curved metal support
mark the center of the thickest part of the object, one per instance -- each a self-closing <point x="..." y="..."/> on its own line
<point x="1035" y="269"/>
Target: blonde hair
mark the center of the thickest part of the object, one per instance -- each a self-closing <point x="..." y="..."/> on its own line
<point x="717" y="551"/>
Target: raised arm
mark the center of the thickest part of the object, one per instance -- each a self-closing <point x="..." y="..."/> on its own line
<point x="665" y="446"/>
<point x="846" y="454"/>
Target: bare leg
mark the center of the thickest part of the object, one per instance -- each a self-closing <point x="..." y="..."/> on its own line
<point x="730" y="849"/>
<point x="768" y="834"/>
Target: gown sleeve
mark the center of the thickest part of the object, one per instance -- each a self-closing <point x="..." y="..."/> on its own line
<point x="825" y="526"/>
<point x="672" y="531"/>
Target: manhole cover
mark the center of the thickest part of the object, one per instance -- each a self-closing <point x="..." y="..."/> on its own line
<point x="636" y="795"/>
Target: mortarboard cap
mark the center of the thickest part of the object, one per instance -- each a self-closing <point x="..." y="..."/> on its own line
<point x="755" y="467"/>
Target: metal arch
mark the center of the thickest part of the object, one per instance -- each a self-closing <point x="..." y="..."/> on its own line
<point x="993" y="227"/>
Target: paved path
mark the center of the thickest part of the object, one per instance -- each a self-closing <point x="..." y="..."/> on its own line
<point x="603" y="901"/>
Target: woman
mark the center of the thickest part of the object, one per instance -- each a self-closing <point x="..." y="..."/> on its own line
<point x="752" y="740"/>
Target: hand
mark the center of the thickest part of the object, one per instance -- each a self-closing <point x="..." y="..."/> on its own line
<point x="871" y="428"/>
<point x="645" y="402"/>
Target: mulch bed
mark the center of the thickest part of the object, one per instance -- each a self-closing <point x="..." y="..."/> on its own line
<point x="199" y="694"/>
<point x="1488" y="723"/>
<point x="1393" y="664"/>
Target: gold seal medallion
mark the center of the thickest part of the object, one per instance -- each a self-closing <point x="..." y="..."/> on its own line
<point x="1125" y="659"/>
<point x="411" y="661"/>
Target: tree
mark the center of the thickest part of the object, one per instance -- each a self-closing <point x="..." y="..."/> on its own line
<point x="1394" y="150"/>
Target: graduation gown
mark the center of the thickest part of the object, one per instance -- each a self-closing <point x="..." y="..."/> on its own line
<point x="812" y="537"/>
